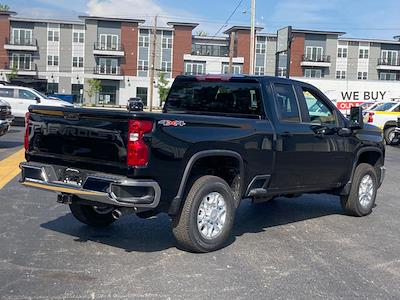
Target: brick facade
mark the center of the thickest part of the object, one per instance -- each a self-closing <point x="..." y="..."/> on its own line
<point x="297" y="55"/>
<point x="129" y="41"/>
<point x="4" y="35"/>
<point x="182" y="45"/>
<point x="242" y="47"/>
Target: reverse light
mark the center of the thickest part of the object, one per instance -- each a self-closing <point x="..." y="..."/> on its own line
<point x="371" y="117"/>
<point x="137" y="150"/>
<point x="26" y="136"/>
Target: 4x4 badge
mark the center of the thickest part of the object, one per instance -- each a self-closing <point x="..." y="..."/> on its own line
<point x="71" y="116"/>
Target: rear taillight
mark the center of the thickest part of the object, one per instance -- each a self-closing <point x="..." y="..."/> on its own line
<point x="137" y="150"/>
<point x="370" y="117"/>
<point x="26" y="137"/>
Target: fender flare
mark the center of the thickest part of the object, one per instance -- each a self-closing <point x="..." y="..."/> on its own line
<point x="347" y="187"/>
<point x="176" y="202"/>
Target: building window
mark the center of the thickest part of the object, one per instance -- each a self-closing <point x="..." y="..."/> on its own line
<point x="167" y="40"/>
<point x="281" y="72"/>
<point x="53" y="35"/>
<point x="143" y="65"/>
<point x="259" y="71"/>
<point x="390" y="57"/>
<point x="144" y="38"/>
<point x="52" y="88"/>
<point x="236" y="69"/>
<point x="109" y="42"/>
<point x="79" y="37"/>
<point x="21" y="61"/>
<point x="340" y="74"/>
<point x="313" y="73"/>
<point x="342" y="52"/>
<point x="77" y="62"/>
<point x="389" y="76"/>
<point x="108" y="66"/>
<point x="364" y="53"/>
<point x="362" y="75"/>
<point x="21" y="37"/>
<point x="77" y="92"/>
<point x="261" y="46"/>
<point x="52" y="60"/>
<point x="166" y="66"/>
<point x="314" y="53"/>
<point x="194" y="68"/>
<point x="141" y="92"/>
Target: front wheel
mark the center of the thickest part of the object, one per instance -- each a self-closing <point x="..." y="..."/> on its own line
<point x="206" y="219"/>
<point x="361" y="199"/>
<point x="92" y="215"/>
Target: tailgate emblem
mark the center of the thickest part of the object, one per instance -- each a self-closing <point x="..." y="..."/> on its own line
<point x="71" y="116"/>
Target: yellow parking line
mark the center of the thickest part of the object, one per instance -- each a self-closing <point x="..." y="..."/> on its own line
<point x="9" y="167"/>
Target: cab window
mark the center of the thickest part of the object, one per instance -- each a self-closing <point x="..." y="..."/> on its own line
<point x="286" y="102"/>
<point x="25" y="94"/>
<point x="318" y="111"/>
<point x="7" y="93"/>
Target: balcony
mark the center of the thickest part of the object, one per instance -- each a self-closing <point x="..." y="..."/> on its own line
<point x="105" y="49"/>
<point x="108" y="72"/>
<point x="210" y="50"/>
<point x="316" y="61"/>
<point x="388" y="64"/>
<point x="26" y="70"/>
<point x="21" y="44"/>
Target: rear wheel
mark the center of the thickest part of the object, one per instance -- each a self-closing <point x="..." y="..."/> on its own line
<point x="390" y="136"/>
<point x="92" y="215"/>
<point x="206" y="219"/>
<point x="361" y="198"/>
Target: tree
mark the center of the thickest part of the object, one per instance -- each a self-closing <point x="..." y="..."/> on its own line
<point x="163" y="87"/>
<point x="94" y="87"/>
<point x="201" y="33"/>
<point x="4" y="7"/>
<point x="13" y="74"/>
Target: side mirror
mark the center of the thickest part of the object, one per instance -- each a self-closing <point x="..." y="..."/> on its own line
<point x="37" y="99"/>
<point x="356" y="118"/>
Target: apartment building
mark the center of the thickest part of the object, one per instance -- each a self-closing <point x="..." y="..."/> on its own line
<point x="60" y="56"/>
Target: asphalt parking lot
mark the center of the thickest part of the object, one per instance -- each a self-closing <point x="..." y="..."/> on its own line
<point x="299" y="248"/>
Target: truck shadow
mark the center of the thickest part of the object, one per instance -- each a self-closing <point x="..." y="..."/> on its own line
<point x="134" y="234"/>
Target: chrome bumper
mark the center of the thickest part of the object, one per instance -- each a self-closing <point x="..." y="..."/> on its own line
<point x="98" y="187"/>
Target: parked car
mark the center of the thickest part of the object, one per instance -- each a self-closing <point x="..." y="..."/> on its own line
<point x="135" y="104"/>
<point x="20" y="98"/>
<point x="219" y="140"/>
<point x="5" y="117"/>
<point x="385" y="117"/>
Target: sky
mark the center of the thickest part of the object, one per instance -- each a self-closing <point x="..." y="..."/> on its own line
<point x="358" y="18"/>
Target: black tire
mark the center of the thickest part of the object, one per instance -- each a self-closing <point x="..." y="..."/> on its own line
<point x="87" y="215"/>
<point x="351" y="203"/>
<point x="185" y="227"/>
<point x="390" y="141"/>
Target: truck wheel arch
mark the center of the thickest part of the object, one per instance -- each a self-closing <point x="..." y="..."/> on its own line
<point x="176" y="202"/>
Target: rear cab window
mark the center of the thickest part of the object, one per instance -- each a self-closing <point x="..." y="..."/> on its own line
<point x="286" y="103"/>
<point x="25" y="94"/>
<point x="217" y="96"/>
<point x="7" y="92"/>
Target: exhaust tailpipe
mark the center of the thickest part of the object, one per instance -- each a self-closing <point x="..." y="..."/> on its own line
<point x="116" y="214"/>
<point x="120" y="212"/>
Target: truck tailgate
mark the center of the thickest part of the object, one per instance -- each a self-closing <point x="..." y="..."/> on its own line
<point x="85" y="138"/>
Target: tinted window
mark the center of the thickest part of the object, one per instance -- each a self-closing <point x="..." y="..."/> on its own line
<point x="384" y="106"/>
<point x="25" y="94"/>
<point x="286" y="101"/>
<point x="242" y="98"/>
<point x="8" y="93"/>
<point x="318" y="111"/>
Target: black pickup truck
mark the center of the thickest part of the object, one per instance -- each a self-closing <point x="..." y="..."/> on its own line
<point x="219" y="140"/>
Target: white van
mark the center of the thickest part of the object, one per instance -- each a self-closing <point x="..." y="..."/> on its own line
<point x="20" y="98"/>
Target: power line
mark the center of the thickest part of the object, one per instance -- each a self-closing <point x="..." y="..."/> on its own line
<point x="229" y="18"/>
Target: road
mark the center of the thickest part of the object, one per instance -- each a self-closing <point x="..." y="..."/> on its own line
<point x="299" y="248"/>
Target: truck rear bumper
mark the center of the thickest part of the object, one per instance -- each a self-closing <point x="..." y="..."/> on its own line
<point x="115" y="190"/>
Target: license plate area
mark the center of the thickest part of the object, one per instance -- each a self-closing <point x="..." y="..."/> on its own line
<point x="73" y="177"/>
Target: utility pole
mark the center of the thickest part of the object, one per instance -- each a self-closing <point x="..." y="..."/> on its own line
<point x="153" y="61"/>
<point x="231" y="50"/>
<point x="252" y="35"/>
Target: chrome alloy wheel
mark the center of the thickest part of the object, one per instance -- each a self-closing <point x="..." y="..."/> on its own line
<point x="211" y="215"/>
<point x="392" y="137"/>
<point x="366" y="190"/>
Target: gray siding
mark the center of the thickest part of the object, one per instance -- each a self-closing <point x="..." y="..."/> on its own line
<point x="331" y="50"/>
<point x="374" y="54"/>
<point x="40" y="57"/>
<point x="352" y="61"/>
<point x="64" y="85"/>
<point x="22" y="25"/>
<point x="315" y="40"/>
<point x="105" y="27"/>
<point x="271" y="58"/>
<point x="65" y="59"/>
<point x="90" y="40"/>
